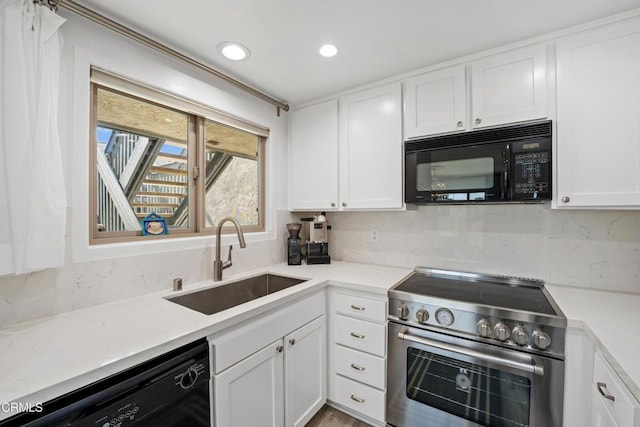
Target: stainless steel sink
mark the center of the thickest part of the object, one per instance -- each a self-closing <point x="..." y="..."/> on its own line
<point x="214" y="300"/>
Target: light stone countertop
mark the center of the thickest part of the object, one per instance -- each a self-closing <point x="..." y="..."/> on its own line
<point x="48" y="357"/>
<point x="612" y="320"/>
<point x="45" y="358"/>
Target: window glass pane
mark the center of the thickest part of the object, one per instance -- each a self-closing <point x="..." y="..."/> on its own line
<point x="141" y="162"/>
<point x="232" y="186"/>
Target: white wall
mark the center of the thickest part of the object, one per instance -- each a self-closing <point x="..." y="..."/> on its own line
<point x="82" y="284"/>
<point x="590" y="249"/>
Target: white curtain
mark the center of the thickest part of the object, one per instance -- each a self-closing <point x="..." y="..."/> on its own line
<point x="32" y="195"/>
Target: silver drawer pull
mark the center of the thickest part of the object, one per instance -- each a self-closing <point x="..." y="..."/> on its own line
<point x="357" y="307"/>
<point x="357" y="399"/>
<point x="601" y="387"/>
<point x="357" y="368"/>
<point x="359" y="336"/>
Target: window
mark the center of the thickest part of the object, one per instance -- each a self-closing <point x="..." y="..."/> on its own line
<point x="163" y="156"/>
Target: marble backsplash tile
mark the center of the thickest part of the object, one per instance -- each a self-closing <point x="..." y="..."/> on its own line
<point x="591" y="249"/>
<point x="31" y="296"/>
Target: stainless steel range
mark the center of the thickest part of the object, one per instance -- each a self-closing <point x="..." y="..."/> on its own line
<point x="468" y="349"/>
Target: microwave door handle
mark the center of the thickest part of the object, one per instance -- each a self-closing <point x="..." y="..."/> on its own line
<point x="506" y="156"/>
<point x="533" y="367"/>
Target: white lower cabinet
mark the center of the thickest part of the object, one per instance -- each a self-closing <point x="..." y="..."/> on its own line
<point x="594" y="394"/>
<point x="305" y="372"/>
<point x="282" y="383"/>
<point x="357" y="353"/>
<point x="612" y="403"/>
<point x="251" y="393"/>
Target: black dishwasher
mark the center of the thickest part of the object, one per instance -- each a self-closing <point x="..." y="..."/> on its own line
<point x="170" y="390"/>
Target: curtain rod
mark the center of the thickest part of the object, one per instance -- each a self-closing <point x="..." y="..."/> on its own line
<point x="134" y="35"/>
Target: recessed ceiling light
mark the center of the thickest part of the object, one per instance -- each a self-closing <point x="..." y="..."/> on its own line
<point x="328" y="50"/>
<point x="234" y="51"/>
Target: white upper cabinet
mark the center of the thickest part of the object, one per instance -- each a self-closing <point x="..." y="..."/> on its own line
<point x="509" y="87"/>
<point x="347" y="153"/>
<point x="503" y="88"/>
<point x="435" y="102"/>
<point x="598" y="126"/>
<point x="370" y="145"/>
<point x="313" y="178"/>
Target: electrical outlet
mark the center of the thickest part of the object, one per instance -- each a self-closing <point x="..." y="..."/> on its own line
<point x="375" y="235"/>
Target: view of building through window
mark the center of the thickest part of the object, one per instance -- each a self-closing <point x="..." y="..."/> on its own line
<point x="147" y="162"/>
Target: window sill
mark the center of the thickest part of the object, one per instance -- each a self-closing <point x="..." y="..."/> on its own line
<point x="88" y="252"/>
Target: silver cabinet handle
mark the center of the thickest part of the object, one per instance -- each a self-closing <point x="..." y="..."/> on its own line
<point x="344" y="204"/>
<point x="357" y="368"/>
<point x="478" y="120"/>
<point x="333" y="205"/>
<point x="357" y="399"/>
<point x="359" y="336"/>
<point x="292" y="341"/>
<point x="566" y="199"/>
<point x="601" y="387"/>
<point x="357" y="307"/>
<point x="279" y="349"/>
<point x="459" y="124"/>
<point x="532" y="367"/>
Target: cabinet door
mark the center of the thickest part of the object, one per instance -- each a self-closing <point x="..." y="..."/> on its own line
<point x="578" y="377"/>
<point x="305" y="372"/>
<point x="371" y="149"/>
<point x="509" y="87"/>
<point x="251" y="392"/>
<point x="598" y="127"/>
<point x="600" y="416"/>
<point x="313" y="175"/>
<point x="435" y="102"/>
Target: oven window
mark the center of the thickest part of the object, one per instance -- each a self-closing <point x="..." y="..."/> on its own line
<point x="485" y="396"/>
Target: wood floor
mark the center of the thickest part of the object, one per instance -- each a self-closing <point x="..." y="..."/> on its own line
<point x="331" y="417"/>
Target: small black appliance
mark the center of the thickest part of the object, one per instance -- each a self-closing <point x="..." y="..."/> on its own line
<point x="294" y="244"/>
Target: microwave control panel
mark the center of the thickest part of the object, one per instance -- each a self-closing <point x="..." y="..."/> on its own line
<point x="531" y="171"/>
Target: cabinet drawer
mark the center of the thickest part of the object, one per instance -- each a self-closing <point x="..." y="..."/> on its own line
<point x="360" y="398"/>
<point x="361" y="335"/>
<point x="360" y="307"/>
<point x="624" y="407"/>
<point x="360" y="366"/>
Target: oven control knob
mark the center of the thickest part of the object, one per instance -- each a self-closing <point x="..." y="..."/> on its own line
<point x="541" y="340"/>
<point x="520" y="335"/>
<point x="502" y="331"/>
<point x="403" y="312"/>
<point x="484" y="328"/>
<point x="422" y="316"/>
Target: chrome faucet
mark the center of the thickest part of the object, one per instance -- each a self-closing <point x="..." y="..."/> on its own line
<point x="218" y="265"/>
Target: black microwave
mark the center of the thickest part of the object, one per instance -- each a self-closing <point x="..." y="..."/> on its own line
<point x="508" y="164"/>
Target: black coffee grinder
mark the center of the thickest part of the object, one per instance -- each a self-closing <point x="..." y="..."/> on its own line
<point x="294" y="244"/>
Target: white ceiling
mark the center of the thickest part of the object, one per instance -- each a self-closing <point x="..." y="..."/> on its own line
<point x="376" y="38"/>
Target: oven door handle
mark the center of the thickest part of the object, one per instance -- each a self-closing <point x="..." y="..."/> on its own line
<point x="532" y="367"/>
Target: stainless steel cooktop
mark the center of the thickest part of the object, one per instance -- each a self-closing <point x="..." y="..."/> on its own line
<point x="506" y="311"/>
<point x="496" y="291"/>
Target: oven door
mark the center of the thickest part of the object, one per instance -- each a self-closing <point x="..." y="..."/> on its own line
<point x="435" y="379"/>
<point x="457" y="174"/>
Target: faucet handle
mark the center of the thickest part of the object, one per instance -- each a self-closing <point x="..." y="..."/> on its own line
<point x="228" y="262"/>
